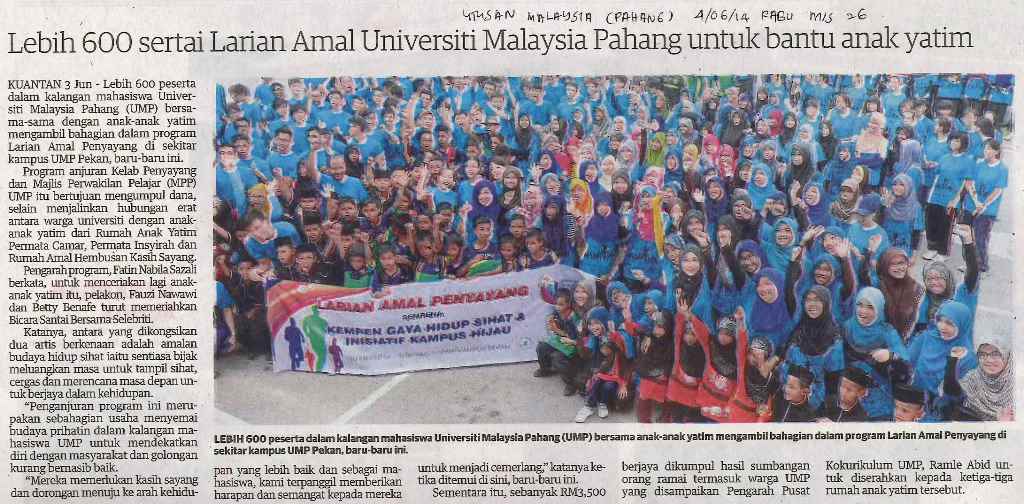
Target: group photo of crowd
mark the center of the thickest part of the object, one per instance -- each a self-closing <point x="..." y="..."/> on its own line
<point x="766" y="248"/>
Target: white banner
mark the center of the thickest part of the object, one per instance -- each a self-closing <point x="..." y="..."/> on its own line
<point x="451" y="323"/>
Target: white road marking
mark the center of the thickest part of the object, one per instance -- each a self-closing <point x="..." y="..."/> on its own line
<point x="368" y="401"/>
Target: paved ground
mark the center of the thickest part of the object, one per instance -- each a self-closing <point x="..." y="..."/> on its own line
<point x="248" y="392"/>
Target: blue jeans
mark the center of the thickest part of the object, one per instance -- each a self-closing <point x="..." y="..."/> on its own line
<point x="602" y="392"/>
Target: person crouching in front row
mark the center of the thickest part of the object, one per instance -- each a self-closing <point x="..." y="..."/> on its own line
<point x="558" y="354"/>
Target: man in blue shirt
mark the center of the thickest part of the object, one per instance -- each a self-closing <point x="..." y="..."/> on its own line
<point x="260" y="242"/>
<point x="283" y="161"/>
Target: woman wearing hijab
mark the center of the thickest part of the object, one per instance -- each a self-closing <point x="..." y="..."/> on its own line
<point x="691" y="282"/>
<point x="721" y="370"/>
<point x="525" y="145"/>
<point x="801" y="167"/>
<point x="903" y="295"/>
<point x="548" y="163"/>
<point x="558" y="235"/>
<point x="601" y="126"/>
<point x="654" y="364"/>
<point x="590" y="173"/>
<point x="873" y="345"/>
<point x="789" y="129"/>
<point x="747" y="218"/>
<point x="715" y="200"/>
<point x="629" y="160"/>
<point x="533" y="205"/>
<point x="812" y="208"/>
<point x="657" y="149"/>
<point x="984" y="393"/>
<point x="483" y="204"/>
<point x="816" y="344"/>
<point x="622" y="192"/>
<point x="839" y="169"/>
<point x="648" y="224"/>
<point x="726" y="162"/>
<point x="688" y="365"/>
<point x="833" y="272"/>
<point x="511" y="189"/>
<point x="770" y="316"/>
<point x="903" y="218"/>
<point x="674" y="171"/>
<point x="845" y="204"/>
<point x="581" y="202"/>
<point x="551" y="185"/>
<point x="601" y="239"/>
<point x="751" y="260"/>
<point x="732" y="132"/>
<point x="828" y="142"/>
<point x="760" y="187"/>
<point x="609" y="167"/>
<point x="709" y="151"/>
<point x="940" y="282"/>
<point x="953" y="327"/>
<point x="693" y="230"/>
<point x="911" y="163"/>
<point x="726" y="276"/>
<point x="779" y="245"/>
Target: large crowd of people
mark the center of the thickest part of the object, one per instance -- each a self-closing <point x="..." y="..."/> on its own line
<point x="752" y="236"/>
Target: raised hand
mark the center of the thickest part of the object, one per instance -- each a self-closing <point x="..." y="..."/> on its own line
<point x="702" y="238"/>
<point x="843" y="248"/>
<point x="682" y="307"/>
<point x="794" y="193"/>
<point x="811" y="233"/>
<point x="887" y="196"/>
<point x="958" y="352"/>
<point x="698" y="196"/>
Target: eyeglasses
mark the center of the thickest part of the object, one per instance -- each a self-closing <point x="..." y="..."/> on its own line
<point x="989" y="355"/>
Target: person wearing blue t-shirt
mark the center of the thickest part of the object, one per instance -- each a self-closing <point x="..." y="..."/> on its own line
<point x="845" y="124"/>
<point x="283" y="161"/>
<point x="334" y="118"/>
<point x="360" y="139"/>
<point x="989" y="181"/>
<point x="262" y="235"/>
<point x="952" y="174"/>
<point x="869" y="240"/>
<point x="230" y="180"/>
<point x="337" y="181"/>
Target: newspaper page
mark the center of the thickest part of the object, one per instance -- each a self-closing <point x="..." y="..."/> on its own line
<point x="409" y="251"/>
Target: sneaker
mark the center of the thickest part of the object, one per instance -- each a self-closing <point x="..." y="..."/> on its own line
<point x="929" y="255"/>
<point x="583" y="414"/>
<point x="602" y="410"/>
<point x="541" y="373"/>
<point x="570" y="389"/>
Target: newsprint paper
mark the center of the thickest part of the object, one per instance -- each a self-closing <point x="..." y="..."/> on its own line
<point x="410" y="251"/>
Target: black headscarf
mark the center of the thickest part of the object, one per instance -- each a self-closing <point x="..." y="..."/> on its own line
<point x="815" y="336"/>
<point x="723" y="357"/>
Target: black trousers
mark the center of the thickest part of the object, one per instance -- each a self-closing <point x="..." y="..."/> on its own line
<point x="937" y="228"/>
<point x="551" y="359"/>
